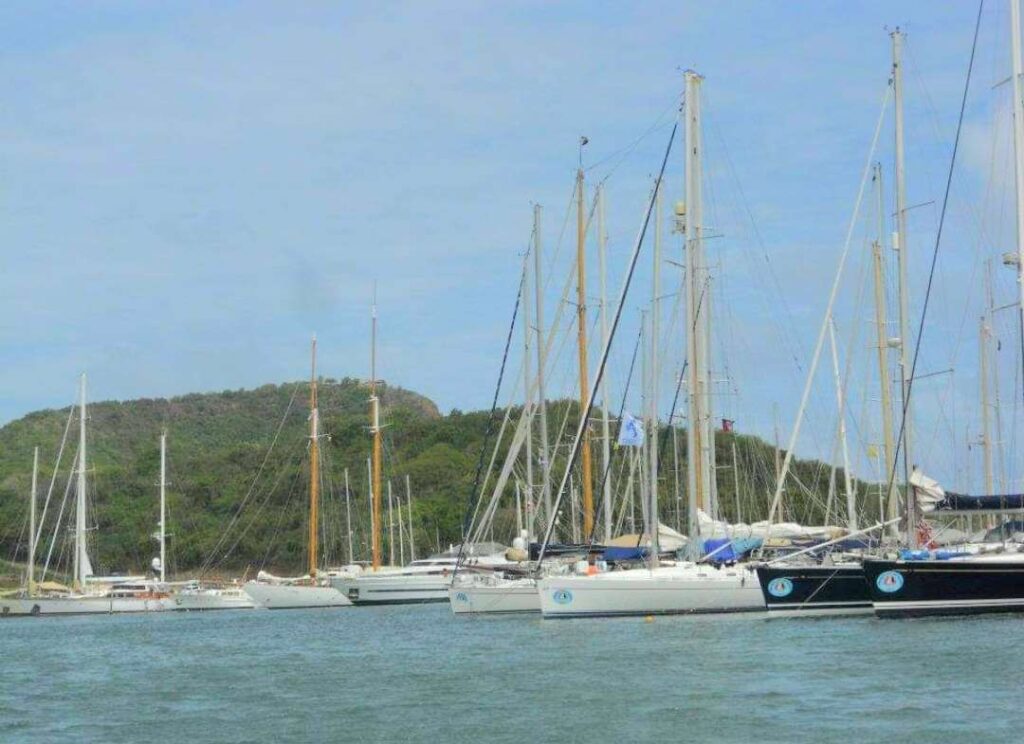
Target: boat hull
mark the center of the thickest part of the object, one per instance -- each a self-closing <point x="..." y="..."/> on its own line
<point x="504" y="598"/>
<point x="209" y="601"/>
<point x="47" y="606"/>
<point x="808" y="591"/>
<point x="384" y="589"/>
<point x="294" y="596"/>
<point x="663" y="591"/>
<point x="928" y="588"/>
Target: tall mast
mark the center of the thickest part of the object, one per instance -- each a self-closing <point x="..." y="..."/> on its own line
<point x="314" y="466"/>
<point x="538" y="291"/>
<point x="698" y="450"/>
<point x="348" y="516"/>
<point x="900" y="244"/>
<point x="851" y="505"/>
<point x="653" y="406"/>
<point x="527" y="400"/>
<point x="163" y="507"/>
<point x="581" y="341"/>
<point x="882" y="337"/>
<point x="32" y="524"/>
<point x="1018" y="147"/>
<point x="606" y="446"/>
<point x="81" y="562"/>
<point x="375" y="484"/>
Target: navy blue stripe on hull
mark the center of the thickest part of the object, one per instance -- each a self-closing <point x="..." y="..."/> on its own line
<point x="933" y="588"/>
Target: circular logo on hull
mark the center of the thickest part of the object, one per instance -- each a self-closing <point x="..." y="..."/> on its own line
<point x="780" y="587"/>
<point x="889" y="582"/>
<point x="562" y="596"/>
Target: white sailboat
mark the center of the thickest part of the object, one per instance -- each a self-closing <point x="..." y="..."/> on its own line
<point x="685" y="586"/>
<point x="191" y="595"/>
<point x="88" y="594"/>
<point x="312" y="590"/>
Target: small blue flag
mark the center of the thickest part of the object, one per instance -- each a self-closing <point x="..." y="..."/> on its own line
<point x="632" y="432"/>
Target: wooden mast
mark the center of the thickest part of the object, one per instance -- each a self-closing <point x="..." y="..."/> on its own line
<point x="314" y="467"/>
<point x="581" y="316"/>
<point x="375" y="431"/>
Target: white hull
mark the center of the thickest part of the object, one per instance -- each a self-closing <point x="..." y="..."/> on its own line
<point x="211" y="600"/>
<point x="13" y="606"/>
<point x="669" y="590"/>
<point x="293" y="596"/>
<point x="395" y="588"/>
<point x="504" y="597"/>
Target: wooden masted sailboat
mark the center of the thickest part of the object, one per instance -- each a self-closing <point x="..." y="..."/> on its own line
<point x="312" y="590"/>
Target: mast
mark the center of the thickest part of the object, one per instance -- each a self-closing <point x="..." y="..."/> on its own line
<point x="900" y="245"/>
<point x="696" y="450"/>
<point x="163" y="507"/>
<point x="1018" y="151"/>
<point x="348" y="516"/>
<point x="408" y="501"/>
<point x="984" y="334"/>
<point x="653" y="406"/>
<point x="369" y="485"/>
<point x="391" y="528"/>
<point x="736" y="482"/>
<point x="31" y="581"/>
<point x="375" y="472"/>
<point x="81" y="562"/>
<point x="314" y="466"/>
<point x="401" y="528"/>
<point x="581" y="342"/>
<point x="527" y="401"/>
<point x="851" y="505"/>
<point x="882" y="336"/>
<point x="606" y="445"/>
<point x="541" y="395"/>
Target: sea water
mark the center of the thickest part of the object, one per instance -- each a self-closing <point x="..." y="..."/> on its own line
<point x="418" y="674"/>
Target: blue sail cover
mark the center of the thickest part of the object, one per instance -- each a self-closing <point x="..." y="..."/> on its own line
<point x="964" y="502"/>
<point x="729" y="550"/>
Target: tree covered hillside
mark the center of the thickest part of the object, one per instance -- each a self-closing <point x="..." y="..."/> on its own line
<point x="238" y="476"/>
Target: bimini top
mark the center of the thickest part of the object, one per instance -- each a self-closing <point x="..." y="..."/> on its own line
<point x="931" y="498"/>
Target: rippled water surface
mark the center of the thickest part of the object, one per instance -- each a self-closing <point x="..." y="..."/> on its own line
<point x="418" y="674"/>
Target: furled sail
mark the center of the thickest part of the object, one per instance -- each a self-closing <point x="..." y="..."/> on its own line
<point x="931" y="497"/>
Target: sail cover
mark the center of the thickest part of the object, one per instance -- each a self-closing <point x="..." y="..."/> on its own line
<point x="931" y="497"/>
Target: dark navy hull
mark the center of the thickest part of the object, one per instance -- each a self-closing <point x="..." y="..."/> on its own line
<point x="923" y="588"/>
<point x="814" y="590"/>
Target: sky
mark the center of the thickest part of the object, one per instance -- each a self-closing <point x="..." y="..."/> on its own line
<point x="189" y="190"/>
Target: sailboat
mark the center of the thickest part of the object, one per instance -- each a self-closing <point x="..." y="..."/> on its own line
<point x="275" y="593"/>
<point x="89" y="594"/>
<point x="976" y="580"/>
<point x="671" y="587"/>
<point x="422" y="580"/>
<point x="513" y="590"/>
<point x="818" y="582"/>
<point x="193" y="595"/>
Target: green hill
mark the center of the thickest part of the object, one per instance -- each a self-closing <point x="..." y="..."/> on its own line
<point x="236" y="503"/>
